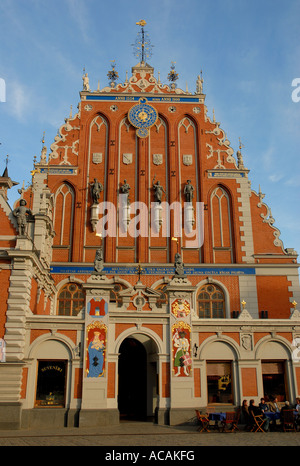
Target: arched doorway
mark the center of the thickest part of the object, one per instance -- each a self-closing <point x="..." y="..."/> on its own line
<point x="137" y="388"/>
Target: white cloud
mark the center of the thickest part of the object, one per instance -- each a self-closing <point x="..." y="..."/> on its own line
<point x="275" y="177"/>
<point x="80" y="16"/>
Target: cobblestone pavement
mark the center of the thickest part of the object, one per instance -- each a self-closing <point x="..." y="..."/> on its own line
<point x="144" y="435"/>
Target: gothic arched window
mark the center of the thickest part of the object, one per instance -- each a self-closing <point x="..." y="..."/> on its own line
<point x="70" y="300"/>
<point x="211" y="302"/>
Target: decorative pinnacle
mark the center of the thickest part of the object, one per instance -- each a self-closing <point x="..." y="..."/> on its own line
<point x="173" y="75"/>
<point x="243" y="303"/>
<point x="113" y="74"/>
<point x="142" y="46"/>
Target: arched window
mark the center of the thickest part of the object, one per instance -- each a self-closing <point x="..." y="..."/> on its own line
<point x="211" y="302"/>
<point x="71" y="300"/>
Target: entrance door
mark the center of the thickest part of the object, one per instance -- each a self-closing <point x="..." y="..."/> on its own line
<point x="132" y="399"/>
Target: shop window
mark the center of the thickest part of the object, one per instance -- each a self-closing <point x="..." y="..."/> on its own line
<point x="71" y="300"/>
<point x="219" y="382"/>
<point x="274" y="383"/>
<point x="211" y="302"/>
<point x="51" y="383"/>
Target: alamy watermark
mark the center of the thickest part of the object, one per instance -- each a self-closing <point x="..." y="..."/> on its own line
<point x="2" y="350"/>
<point x="2" y="90"/>
<point x="161" y="220"/>
<point x="296" y="91"/>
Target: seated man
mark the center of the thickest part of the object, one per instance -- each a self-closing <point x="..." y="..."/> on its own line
<point x="256" y="411"/>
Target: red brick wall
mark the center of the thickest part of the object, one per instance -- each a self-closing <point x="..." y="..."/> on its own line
<point x="273" y="296"/>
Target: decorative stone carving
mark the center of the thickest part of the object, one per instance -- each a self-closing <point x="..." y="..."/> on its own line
<point x="127" y="159"/>
<point x="96" y="189"/>
<point x="157" y="159"/>
<point x="22" y="213"/>
<point x="99" y="262"/>
<point x="187" y="159"/>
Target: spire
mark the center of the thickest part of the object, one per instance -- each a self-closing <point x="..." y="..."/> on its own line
<point x="142" y="47"/>
<point x="239" y="156"/>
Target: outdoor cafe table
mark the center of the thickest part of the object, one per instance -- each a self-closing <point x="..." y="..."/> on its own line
<point x="217" y="416"/>
<point x="274" y="416"/>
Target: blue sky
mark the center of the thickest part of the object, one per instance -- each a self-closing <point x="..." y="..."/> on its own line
<point x="249" y="52"/>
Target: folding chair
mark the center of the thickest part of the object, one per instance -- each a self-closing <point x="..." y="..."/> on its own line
<point x="258" y="422"/>
<point x="203" y="420"/>
<point x="288" y="420"/>
<point x="232" y="419"/>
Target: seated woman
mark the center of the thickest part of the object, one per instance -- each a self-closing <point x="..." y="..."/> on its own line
<point x="246" y="416"/>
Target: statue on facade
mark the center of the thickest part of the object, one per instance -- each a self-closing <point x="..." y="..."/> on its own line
<point x="22" y="213"/>
<point x="188" y="191"/>
<point x="124" y="189"/>
<point x="96" y="189"/>
<point x="179" y="265"/>
<point x="158" y="191"/>
<point x="199" y="84"/>
<point x="99" y="262"/>
<point x="86" y="82"/>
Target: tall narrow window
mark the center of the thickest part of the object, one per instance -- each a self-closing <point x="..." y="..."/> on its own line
<point x="63" y="220"/>
<point x="70" y="300"/>
<point x="221" y="227"/>
<point x="211" y="302"/>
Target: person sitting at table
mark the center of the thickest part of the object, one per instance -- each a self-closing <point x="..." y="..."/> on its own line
<point x="256" y="411"/>
<point x="273" y="405"/>
<point x="297" y="409"/>
<point x="246" y="416"/>
<point x="284" y="408"/>
<point x="274" y="408"/>
<point x="263" y="405"/>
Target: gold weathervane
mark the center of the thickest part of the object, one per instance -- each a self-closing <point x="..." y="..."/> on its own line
<point x="141" y="23"/>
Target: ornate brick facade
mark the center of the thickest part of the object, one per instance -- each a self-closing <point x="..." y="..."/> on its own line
<point x="178" y="299"/>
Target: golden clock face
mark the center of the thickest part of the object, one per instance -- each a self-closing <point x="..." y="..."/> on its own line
<point x="142" y="116"/>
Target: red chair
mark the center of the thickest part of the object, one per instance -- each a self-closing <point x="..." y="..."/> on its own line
<point x="232" y="419"/>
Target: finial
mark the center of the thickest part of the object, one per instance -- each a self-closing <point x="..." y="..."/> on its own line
<point x="240" y="144"/>
<point x="43" y="138"/>
<point x="142" y="47"/>
<point x="113" y="74"/>
<point x="294" y="303"/>
<point x="243" y="303"/>
<point x="239" y="155"/>
<point x="260" y="194"/>
<point x="173" y="75"/>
